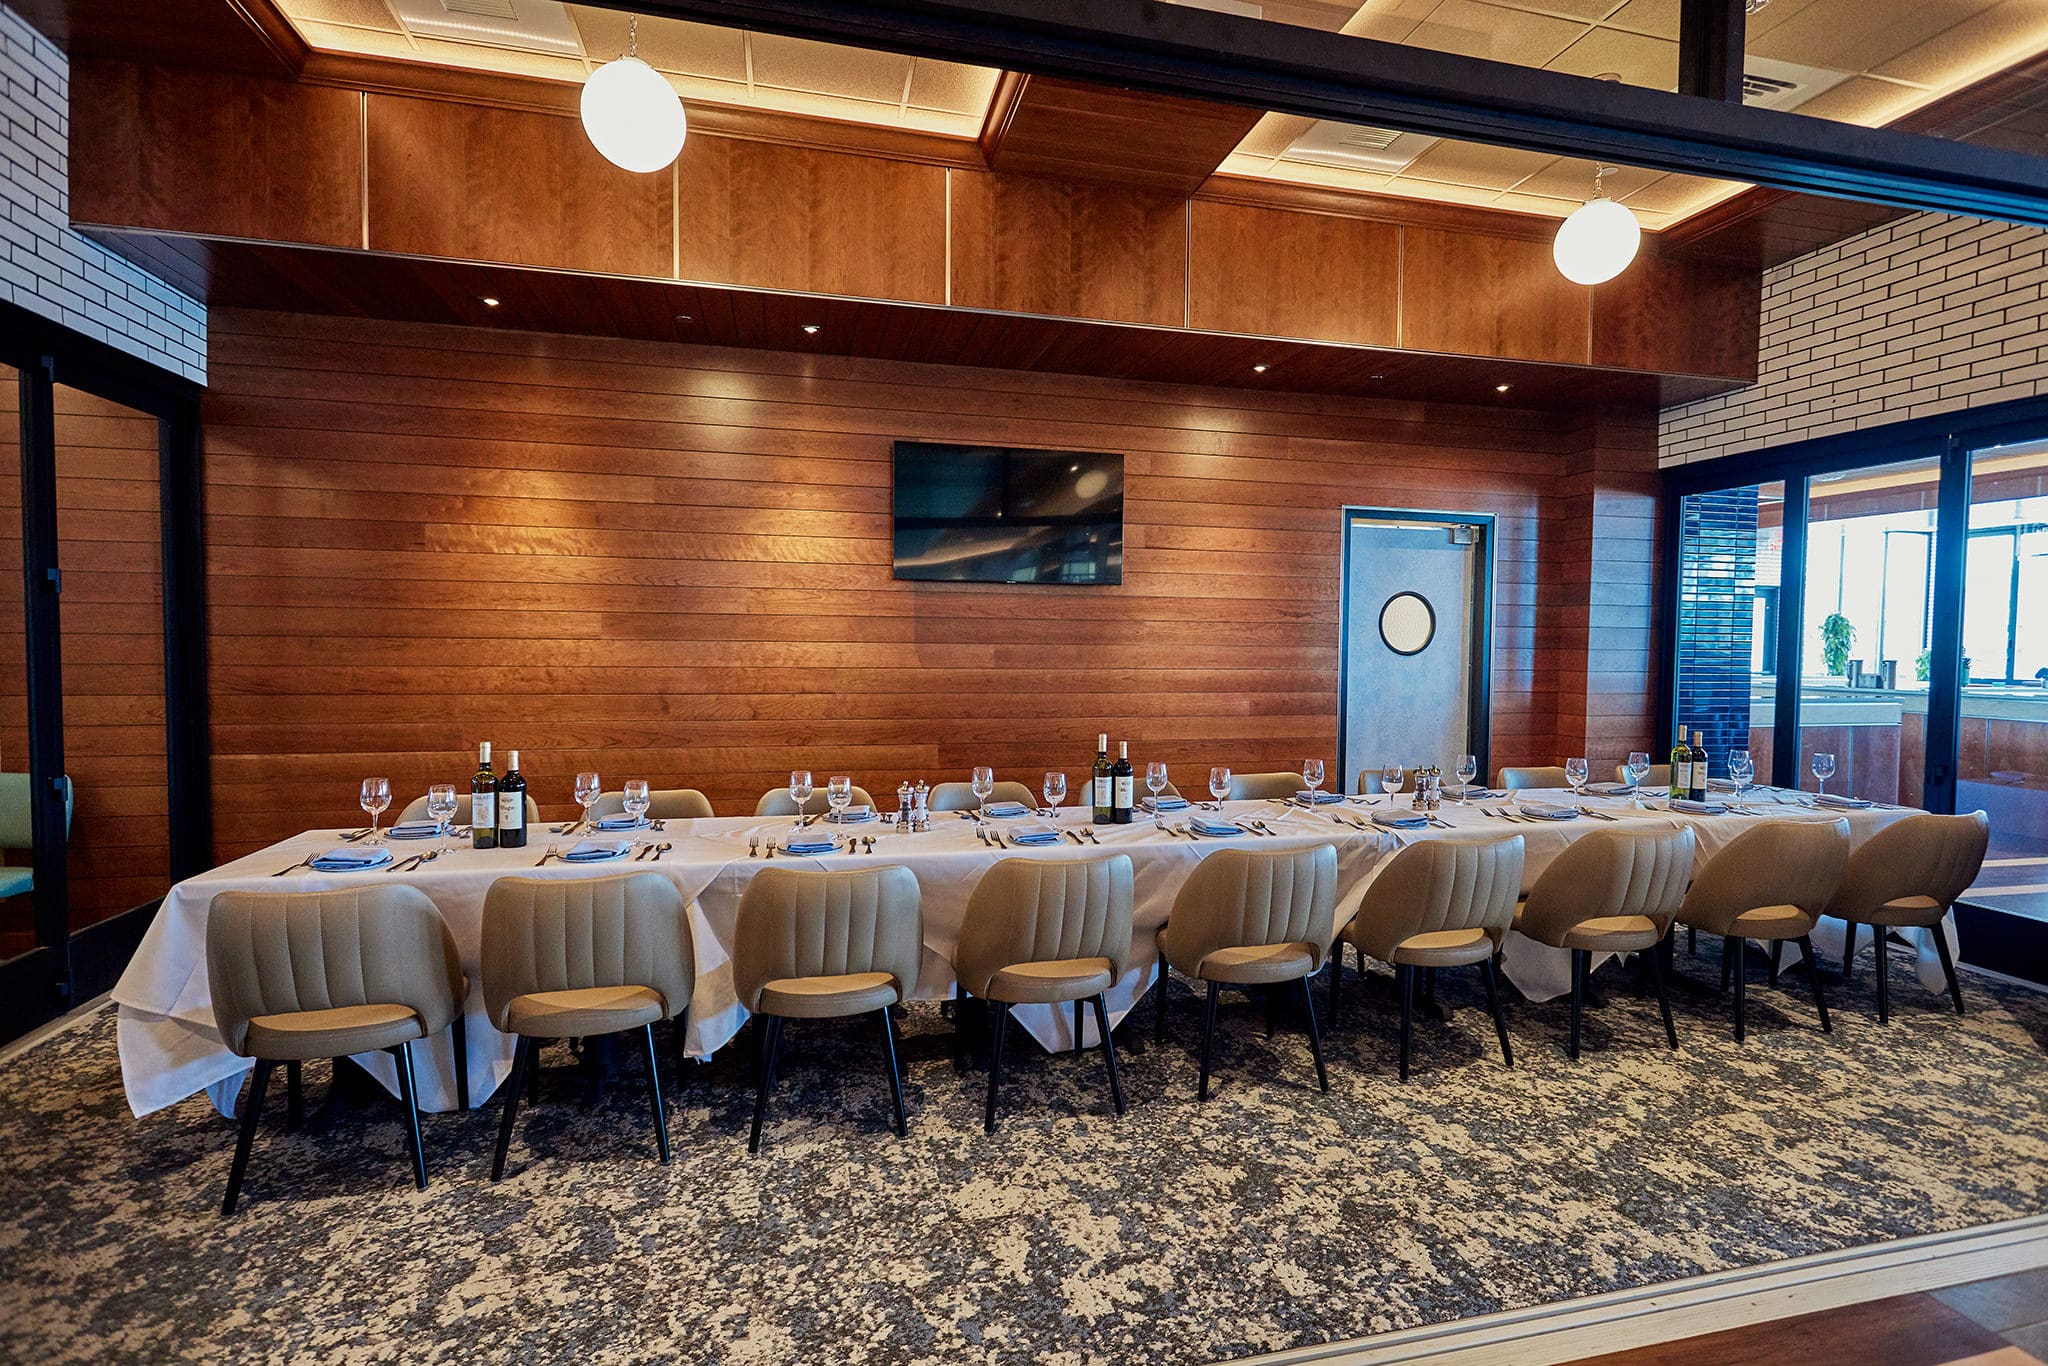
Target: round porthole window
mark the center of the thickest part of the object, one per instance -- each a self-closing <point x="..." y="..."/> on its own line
<point x="1407" y="623"/>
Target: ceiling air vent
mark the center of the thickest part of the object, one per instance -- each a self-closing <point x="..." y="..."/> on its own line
<point x="521" y="25"/>
<point x="1357" y="147"/>
<point x="1769" y="84"/>
<point x="482" y="9"/>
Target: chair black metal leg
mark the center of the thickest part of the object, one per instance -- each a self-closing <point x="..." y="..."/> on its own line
<point x="1731" y="950"/>
<point x="1000" y="1026"/>
<point x="654" y="1094"/>
<point x="1315" y="1038"/>
<point x="1077" y="1026"/>
<point x="895" y="1072"/>
<point x="409" y="1096"/>
<point x="1116" y="1083"/>
<point x="1208" y="1038"/>
<point x="1728" y="961"/>
<point x="1500" y="1021"/>
<point x="1692" y="939"/>
<point x="1159" y="1005"/>
<point x="1777" y="951"/>
<point x="1820" y="1002"/>
<point x="771" y="1041"/>
<point x="458" y="1037"/>
<point x="1663" y="995"/>
<point x="533" y="1075"/>
<point x="1848" y="947"/>
<point x="960" y="1048"/>
<point x="294" y="1098"/>
<point x="1948" y="965"/>
<point x="1580" y="957"/>
<point x="777" y="1051"/>
<point x="1884" y="986"/>
<point x="1336" y="980"/>
<point x="1406" y="972"/>
<point x="252" y="1109"/>
<point x="1272" y="1010"/>
<point x="522" y="1063"/>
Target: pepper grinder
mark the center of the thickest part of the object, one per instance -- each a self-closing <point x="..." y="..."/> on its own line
<point x="920" y="810"/>
<point x="903" y="805"/>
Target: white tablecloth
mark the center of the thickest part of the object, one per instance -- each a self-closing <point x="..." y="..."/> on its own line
<point x="170" y="1050"/>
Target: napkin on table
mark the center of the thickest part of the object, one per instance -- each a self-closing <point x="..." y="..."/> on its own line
<point x="1321" y="798"/>
<point x="1547" y="811"/>
<point x="414" y="830"/>
<point x="1214" y="825"/>
<point x="350" y="858"/>
<point x="1839" y="802"/>
<point x="619" y="822"/>
<point x="853" y="815"/>
<point x="1032" y="834"/>
<point x="1400" y="820"/>
<point x="809" y="844"/>
<point x="595" y="851"/>
<point x="1699" y="808"/>
<point x="1005" y="809"/>
<point x="1165" y="803"/>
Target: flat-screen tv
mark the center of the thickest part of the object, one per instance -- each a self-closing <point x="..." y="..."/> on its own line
<point x="997" y="514"/>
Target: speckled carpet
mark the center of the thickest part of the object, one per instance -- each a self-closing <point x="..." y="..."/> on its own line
<point x="1271" y="1217"/>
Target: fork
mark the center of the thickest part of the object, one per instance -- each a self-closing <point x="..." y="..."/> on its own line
<point x="305" y="862"/>
<point x="1089" y="831"/>
<point x="552" y="852"/>
<point x="659" y="850"/>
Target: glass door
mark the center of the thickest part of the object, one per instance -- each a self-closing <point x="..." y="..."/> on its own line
<point x="17" y="854"/>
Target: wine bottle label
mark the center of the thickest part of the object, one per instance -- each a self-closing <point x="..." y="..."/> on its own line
<point x="1103" y="791"/>
<point x="1125" y="788"/>
<point x="483" y="809"/>
<point x="511" y="810"/>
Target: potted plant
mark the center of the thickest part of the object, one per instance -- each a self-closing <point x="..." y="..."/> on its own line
<point x="1836" y="636"/>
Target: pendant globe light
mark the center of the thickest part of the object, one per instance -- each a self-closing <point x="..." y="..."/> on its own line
<point x="1600" y="238"/>
<point x="631" y="112"/>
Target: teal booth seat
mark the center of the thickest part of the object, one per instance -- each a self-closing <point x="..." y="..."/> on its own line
<point x="15" y="829"/>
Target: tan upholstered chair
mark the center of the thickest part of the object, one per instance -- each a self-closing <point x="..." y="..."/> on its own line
<point x="1908" y="875"/>
<point x="1372" y="781"/>
<point x="778" y="802"/>
<point x="1254" y="920"/>
<point x="1259" y="787"/>
<point x="1658" y="776"/>
<point x="1513" y="779"/>
<point x="1038" y="932"/>
<point x="299" y="976"/>
<point x="1439" y="904"/>
<point x="573" y="958"/>
<point x="820" y="946"/>
<point x="1771" y="882"/>
<point x="416" y="810"/>
<point x="960" y="796"/>
<point x="665" y="804"/>
<point x="1612" y="891"/>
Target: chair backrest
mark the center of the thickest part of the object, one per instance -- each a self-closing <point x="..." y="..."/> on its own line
<point x="778" y="802"/>
<point x="1608" y="873"/>
<point x="278" y="953"/>
<point x="1777" y="863"/>
<point x="1440" y="885"/>
<point x="1259" y="787"/>
<point x="1658" y="776"/>
<point x="1037" y="910"/>
<point x="1249" y="897"/>
<point x="960" y="796"/>
<point x="799" y="923"/>
<point x="571" y="934"/>
<point x="1546" y="776"/>
<point x="416" y="809"/>
<point x="667" y="804"/>
<point x="1372" y="781"/>
<point x="16" y="826"/>
<point x="1921" y="855"/>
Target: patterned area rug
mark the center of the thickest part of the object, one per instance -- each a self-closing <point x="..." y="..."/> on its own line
<point x="1271" y="1217"/>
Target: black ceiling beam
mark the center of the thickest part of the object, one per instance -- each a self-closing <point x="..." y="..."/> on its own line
<point x="1711" y="34"/>
<point x="1201" y="54"/>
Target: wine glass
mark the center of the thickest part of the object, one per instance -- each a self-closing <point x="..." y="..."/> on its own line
<point x="1468" y="769"/>
<point x="375" y="797"/>
<point x="1312" y="777"/>
<point x="1638" y="769"/>
<point x="638" y="799"/>
<point x="588" y="788"/>
<point x="1219" y="786"/>
<point x="441" y="806"/>
<point x="1823" y="769"/>
<point x="1576" y="771"/>
<point x="1155" y="781"/>
<point x="1391" y="778"/>
<point x="839" y="796"/>
<point x="1741" y="768"/>
<point x="1055" y="792"/>
<point x="800" y="790"/>
<point x="984" y="786"/>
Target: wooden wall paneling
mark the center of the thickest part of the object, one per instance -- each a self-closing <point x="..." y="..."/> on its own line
<point x="1276" y="273"/>
<point x="474" y="183"/>
<point x="202" y="152"/>
<point x="249" y="37"/>
<point x="1479" y="295"/>
<point x="1026" y="244"/>
<point x="1673" y="314"/>
<point x="798" y="219"/>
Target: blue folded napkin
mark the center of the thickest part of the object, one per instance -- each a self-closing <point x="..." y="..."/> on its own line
<point x="1839" y="802"/>
<point x="1599" y="789"/>
<point x="595" y="851"/>
<point x="1032" y="834"/>
<point x="1214" y="825"/>
<point x="809" y="844"/>
<point x="620" y="822"/>
<point x="1321" y="798"/>
<point x="1005" y="809"/>
<point x="1698" y="808"/>
<point x="349" y="859"/>
<point x="1400" y="820"/>
<point x="853" y="815"/>
<point x="1546" y="811"/>
<point x="414" y="830"/>
<point x="1165" y="803"/>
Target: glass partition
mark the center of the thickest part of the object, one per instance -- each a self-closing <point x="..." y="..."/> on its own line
<point x="1731" y="550"/>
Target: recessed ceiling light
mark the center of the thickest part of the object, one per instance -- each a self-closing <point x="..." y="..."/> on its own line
<point x="812" y="329"/>
<point x="1502" y="388"/>
<point x="1258" y="369"/>
<point x="1375" y="376"/>
<point x="682" y="317"/>
<point x="489" y="302"/>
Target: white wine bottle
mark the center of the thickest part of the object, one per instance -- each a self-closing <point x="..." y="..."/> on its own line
<point x="483" y="801"/>
<point x="1103" y="783"/>
<point x="512" y="805"/>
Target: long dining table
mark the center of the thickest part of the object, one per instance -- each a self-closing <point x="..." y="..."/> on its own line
<point x="170" y="1050"/>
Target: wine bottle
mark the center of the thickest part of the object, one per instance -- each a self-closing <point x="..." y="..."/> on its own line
<point x="1102" y="782"/>
<point x="1681" y="768"/>
<point x="1123" y="786"/>
<point x="1697" y="790"/>
<point x="512" y="805"/>
<point x="483" y="801"/>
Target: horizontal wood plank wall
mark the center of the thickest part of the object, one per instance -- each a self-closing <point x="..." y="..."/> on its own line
<point x="673" y="563"/>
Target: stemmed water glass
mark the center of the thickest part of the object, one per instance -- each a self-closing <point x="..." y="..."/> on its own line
<point x="1576" y="771"/>
<point x="800" y="790"/>
<point x="1468" y="769"/>
<point x="638" y="799"/>
<point x="1155" y="781"/>
<point x="839" y="796"/>
<point x="984" y="786"/>
<point x="1741" y="768"/>
<point x="1823" y="769"/>
<point x="1638" y="769"/>
<point x="441" y="806"/>
<point x="1055" y="790"/>
<point x="1312" y="778"/>
<point x="1219" y="785"/>
<point x="1391" y="778"/>
<point x="588" y="788"/>
<point x="375" y="797"/>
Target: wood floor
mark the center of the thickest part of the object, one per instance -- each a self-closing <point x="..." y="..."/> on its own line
<point x="2002" y="1322"/>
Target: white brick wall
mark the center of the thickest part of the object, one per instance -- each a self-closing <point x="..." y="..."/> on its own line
<point x="1924" y="315"/>
<point x="46" y="267"/>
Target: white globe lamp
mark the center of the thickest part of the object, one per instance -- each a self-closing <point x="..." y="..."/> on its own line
<point x="632" y="115"/>
<point x="1598" y="241"/>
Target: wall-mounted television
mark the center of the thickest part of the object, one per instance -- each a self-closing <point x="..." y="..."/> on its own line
<point x="998" y="514"/>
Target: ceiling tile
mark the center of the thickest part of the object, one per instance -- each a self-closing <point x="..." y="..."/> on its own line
<point x="1650" y="62"/>
<point x="1859" y="35"/>
<point x="1572" y="178"/>
<point x="1536" y="203"/>
<point x="1274" y="134"/>
<point x="672" y="45"/>
<point x="1658" y="18"/>
<point x="827" y="69"/>
<point x="1988" y="41"/>
<point x="1475" y="164"/>
<point x="951" y="87"/>
<point x="367" y="41"/>
<point x="356" y="13"/>
<point x="1862" y="100"/>
<point x="1475" y="29"/>
<point x="1437" y="190"/>
<point x="1679" y="194"/>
